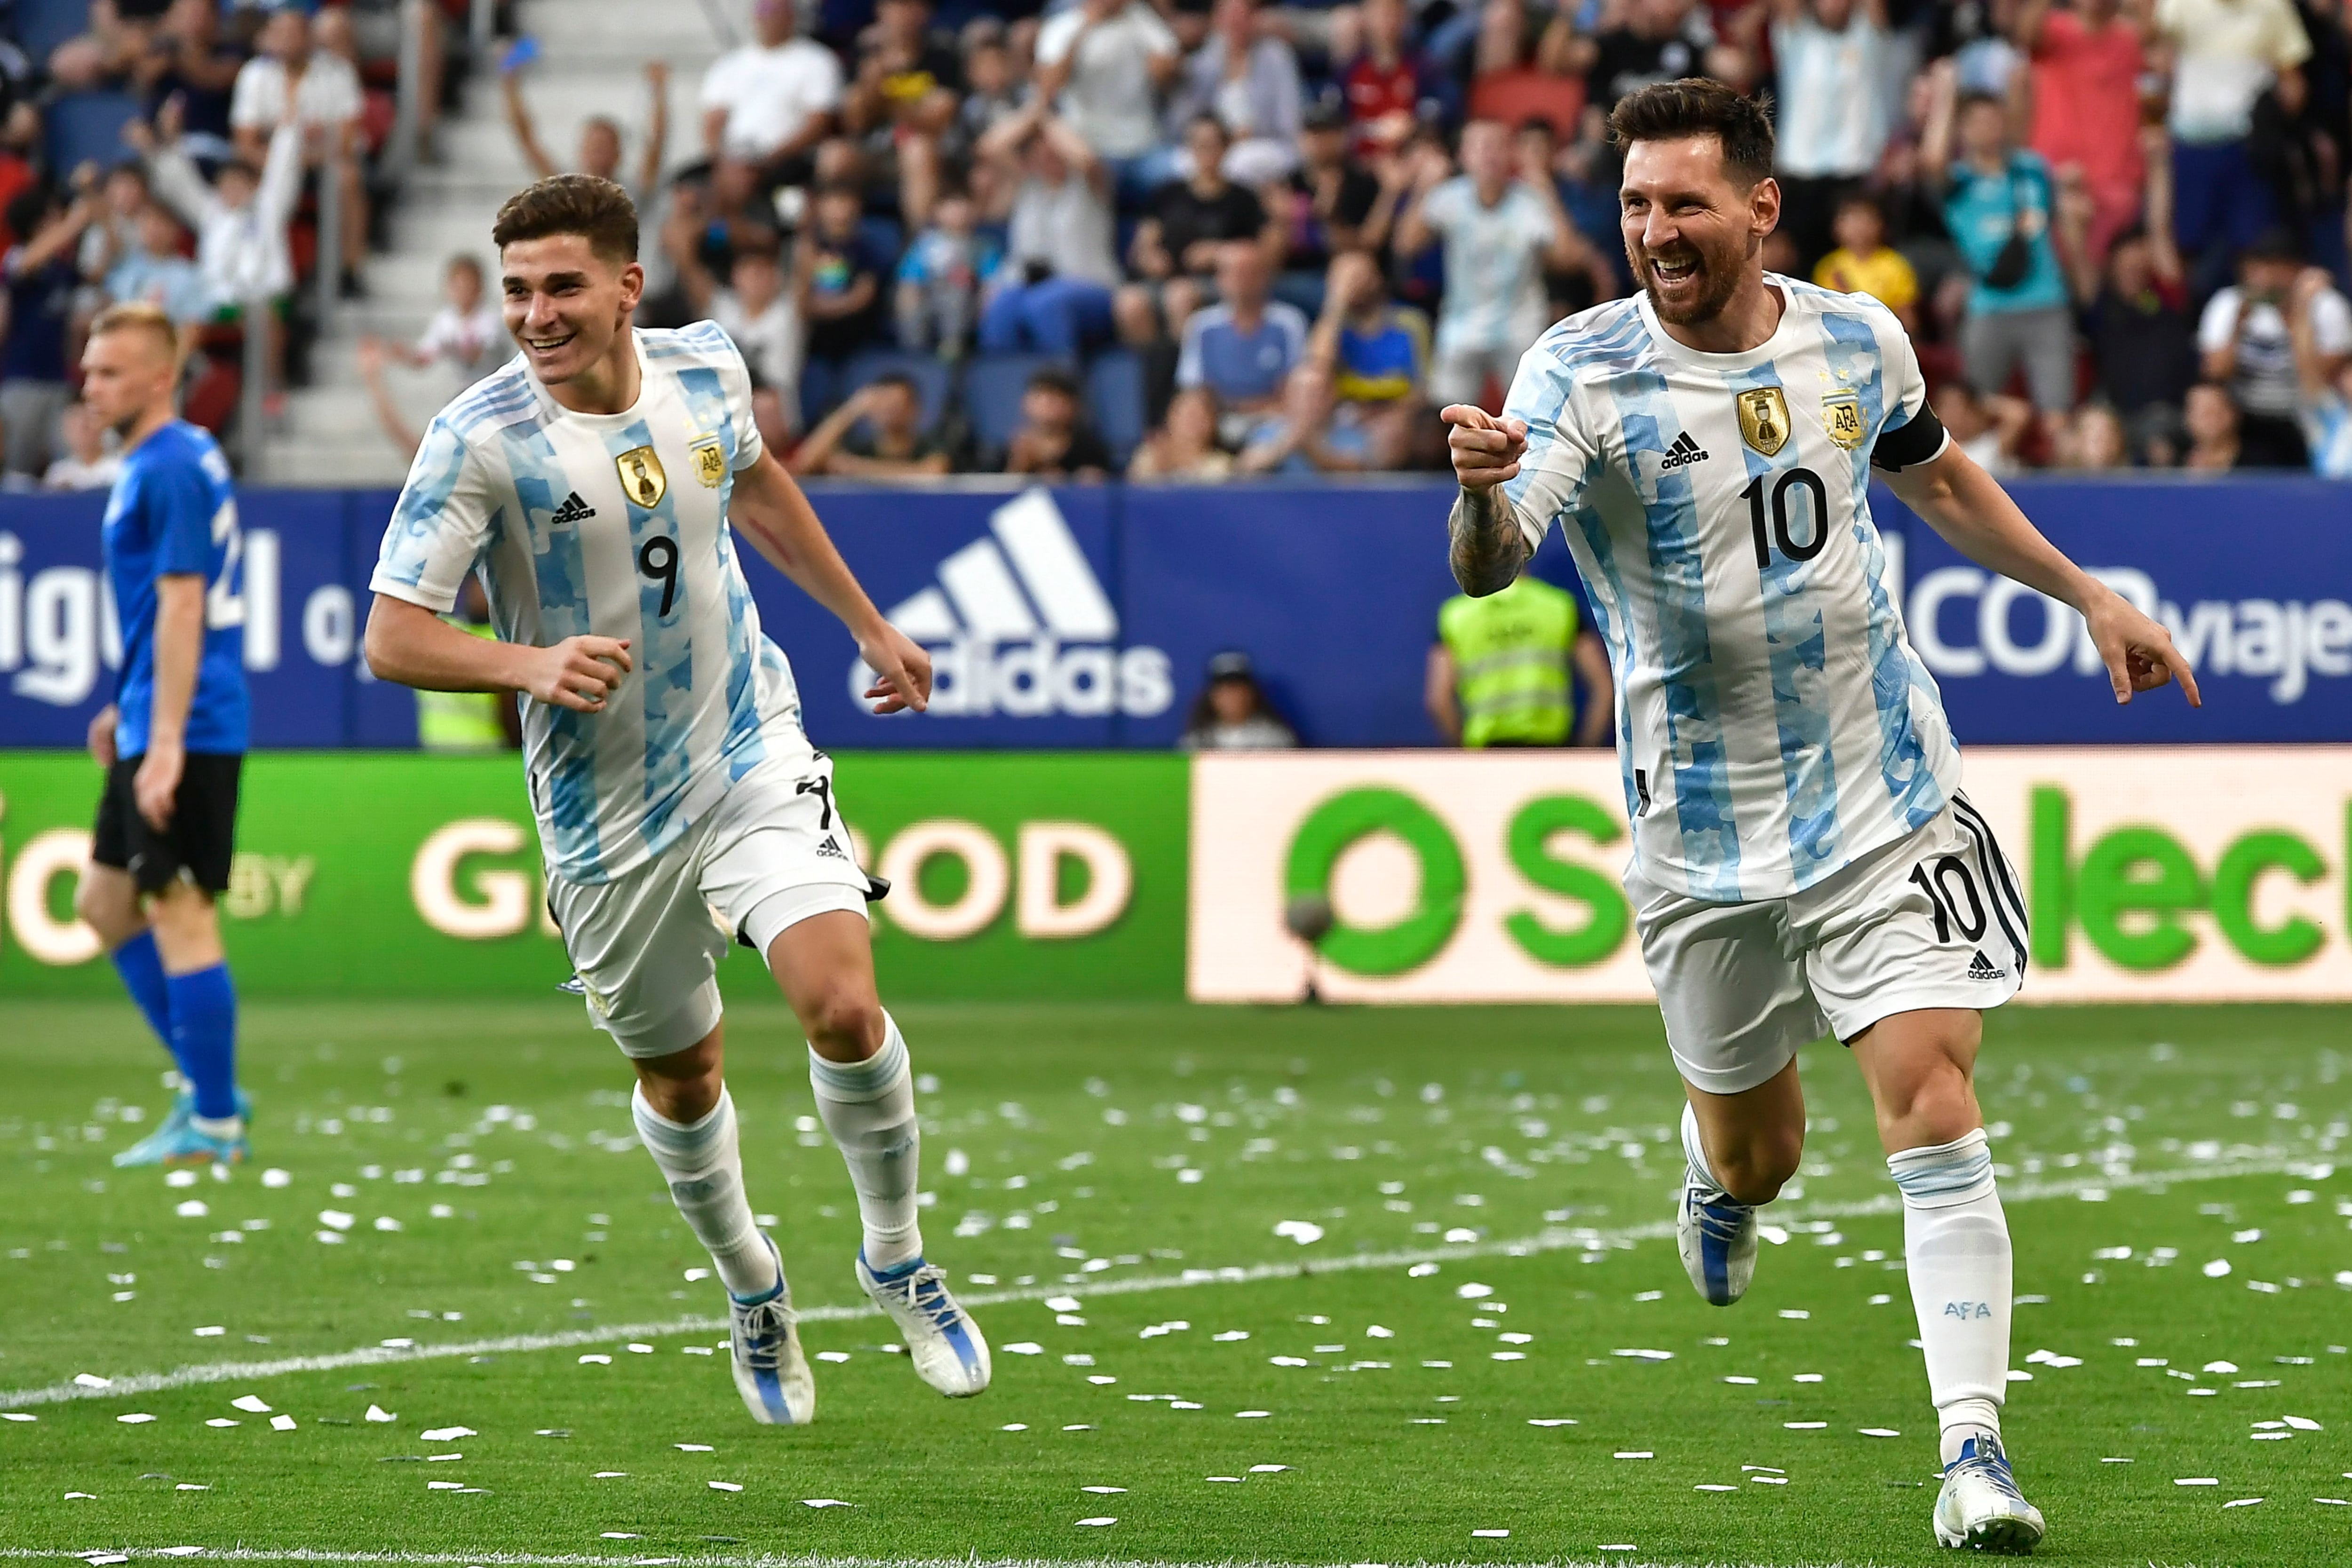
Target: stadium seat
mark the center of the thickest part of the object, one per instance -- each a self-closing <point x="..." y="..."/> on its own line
<point x="933" y="380"/>
<point x="1115" y="401"/>
<point x="820" y="390"/>
<point x="88" y="127"/>
<point x="993" y="386"/>
<point x="42" y="25"/>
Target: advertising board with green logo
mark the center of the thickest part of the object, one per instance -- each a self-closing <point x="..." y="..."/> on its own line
<point x="397" y="874"/>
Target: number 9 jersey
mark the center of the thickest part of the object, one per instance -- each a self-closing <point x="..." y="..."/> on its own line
<point x="610" y="525"/>
<point x="1774" y="725"/>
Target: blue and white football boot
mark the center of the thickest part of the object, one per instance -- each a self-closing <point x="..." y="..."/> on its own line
<point x="946" y="1346"/>
<point x="770" y="1373"/>
<point x="1717" y="1236"/>
<point x="178" y="1142"/>
<point x="1981" y="1507"/>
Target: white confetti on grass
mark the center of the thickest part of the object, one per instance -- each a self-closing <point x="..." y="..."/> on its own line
<point x="447" y="1434"/>
<point x="135" y="1419"/>
<point x="281" y="1423"/>
<point x="595" y="1360"/>
<point x="825" y="1502"/>
<point x="382" y="1416"/>
<point x="1252" y="1415"/>
<point x="693" y="1448"/>
<point x="2241" y="1503"/>
<point x="1097" y="1522"/>
<point x="251" y="1403"/>
<point x="1491" y="1534"/>
<point x="2197" y="1481"/>
<point x="18" y="1416"/>
<point x="726" y="1485"/>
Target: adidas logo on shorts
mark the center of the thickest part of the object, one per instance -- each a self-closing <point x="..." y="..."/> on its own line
<point x="1983" y="969"/>
<point x="830" y="850"/>
<point x="573" y="510"/>
<point x="1682" y="454"/>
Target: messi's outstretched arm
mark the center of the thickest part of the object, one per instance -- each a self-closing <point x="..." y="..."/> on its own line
<point x="1969" y="507"/>
<point x="1488" y="546"/>
<point x="771" y="512"/>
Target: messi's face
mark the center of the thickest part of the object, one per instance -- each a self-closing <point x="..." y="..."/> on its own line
<point x="1690" y="229"/>
<point x="564" y="303"/>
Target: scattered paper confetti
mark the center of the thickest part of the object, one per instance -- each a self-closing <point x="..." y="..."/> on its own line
<point x="1104" y="1491"/>
<point x="135" y="1419"/>
<point x="377" y="1413"/>
<point x="825" y="1502"/>
<point x="1097" y="1522"/>
<point x="726" y="1485"/>
<point x="281" y="1423"/>
<point x="1251" y="1415"/>
<point x="596" y="1361"/>
<point x="693" y="1448"/>
<point x="1492" y="1534"/>
<point x="447" y="1434"/>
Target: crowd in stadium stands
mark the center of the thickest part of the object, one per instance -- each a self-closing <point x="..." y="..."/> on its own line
<point x="1201" y="239"/>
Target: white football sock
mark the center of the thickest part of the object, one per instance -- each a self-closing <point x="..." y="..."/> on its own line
<point x="704" y="1167"/>
<point x="869" y="1108"/>
<point x="1695" y="1151"/>
<point x="1956" y="1246"/>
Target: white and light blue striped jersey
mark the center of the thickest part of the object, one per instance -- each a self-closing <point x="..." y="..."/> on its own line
<point x="1772" y="721"/>
<point x="612" y="525"/>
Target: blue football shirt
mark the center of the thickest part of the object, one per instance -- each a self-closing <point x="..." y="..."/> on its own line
<point x="172" y="513"/>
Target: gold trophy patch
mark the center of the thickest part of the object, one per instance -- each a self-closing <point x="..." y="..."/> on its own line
<point x="641" y="479"/>
<point x="1763" y="419"/>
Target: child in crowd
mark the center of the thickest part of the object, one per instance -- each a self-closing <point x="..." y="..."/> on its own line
<point x="468" y="332"/>
<point x="1864" y="263"/>
<point x="939" y="278"/>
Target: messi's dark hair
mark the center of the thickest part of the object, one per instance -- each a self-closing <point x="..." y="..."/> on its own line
<point x="1700" y="106"/>
<point x="597" y="210"/>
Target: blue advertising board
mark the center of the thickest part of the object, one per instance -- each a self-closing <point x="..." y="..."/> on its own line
<point x="1084" y="617"/>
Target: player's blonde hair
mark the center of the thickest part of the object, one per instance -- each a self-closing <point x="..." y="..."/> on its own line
<point x="137" y="316"/>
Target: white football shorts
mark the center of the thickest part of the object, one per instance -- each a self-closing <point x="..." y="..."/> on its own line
<point x="1933" y="920"/>
<point x="772" y="852"/>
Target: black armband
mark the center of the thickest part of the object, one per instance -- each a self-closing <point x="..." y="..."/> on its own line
<point x="1907" y="444"/>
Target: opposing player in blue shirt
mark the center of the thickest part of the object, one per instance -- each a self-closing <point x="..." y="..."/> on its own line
<point x="173" y="741"/>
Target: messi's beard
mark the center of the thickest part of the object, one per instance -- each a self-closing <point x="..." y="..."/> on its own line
<point x="1718" y="280"/>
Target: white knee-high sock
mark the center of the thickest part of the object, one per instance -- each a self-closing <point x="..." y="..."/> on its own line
<point x="704" y="1167"/>
<point x="1956" y="1246"/>
<point x="1695" y="1150"/>
<point x="869" y="1108"/>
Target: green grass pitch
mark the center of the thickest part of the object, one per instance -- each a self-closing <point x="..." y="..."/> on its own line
<point x="1141" y="1160"/>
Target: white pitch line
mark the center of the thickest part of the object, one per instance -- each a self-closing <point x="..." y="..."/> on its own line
<point x="1556" y="1239"/>
<point x="701" y="1559"/>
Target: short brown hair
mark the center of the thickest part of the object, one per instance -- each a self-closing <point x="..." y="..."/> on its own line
<point x="597" y="210"/>
<point x="137" y="316"/>
<point x="1700" y="106"/>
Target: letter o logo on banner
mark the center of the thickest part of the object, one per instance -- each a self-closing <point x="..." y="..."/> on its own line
<point x="44" y="938"/>
<point x="987" y="878"/>
<point x="1340" y="822"/>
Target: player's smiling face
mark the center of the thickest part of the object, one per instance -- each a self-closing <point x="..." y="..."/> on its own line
<point x="1692" y="230"/>
<point x="565" y="304"/>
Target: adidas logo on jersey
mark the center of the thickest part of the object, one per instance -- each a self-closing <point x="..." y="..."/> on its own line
<point x="1983" y="969"/>
<point x="1019" y="625"/>
<point x="573" y="510"/>
<point x="830" y="850"/>
<point x="1682" y="454"/>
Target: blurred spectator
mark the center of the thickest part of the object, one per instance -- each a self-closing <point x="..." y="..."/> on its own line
<point x="1176" y="247"/>
<point x="105" y="55"/>
<point x="1232" y="711"/>
<point x="1308" y="431"/>
<point x="153" y="270"/>
<point x="85" y="463"/>
<point x="41" y="280"/>
<point x="992" y="91"/>
<point x="1501" y="231"/>
<point x="902" y="100"/>
<point x="2324" y="381"/>
<point x="370" y="356"/>
<point x="1499" y="672"/>
<point x="940" y="279"/>
<point x="2226" y="54"/>
<point x="468" y="332"/>
<point x="1998" y="203"/>
<point x="600" y="140"/>
<point x="2087" y="62"/>
<point x="1377" y="352"/>
<point x="1384" y="88"/>
<point x="1054" y="441"/>
<point x="1052" y="292"/>
<point x="1185" y="444"/>
<point x="1249" y="81"/>
<point x="319" y="89"/>
<point x="1535" y="148"/>
<point x="1518" y="75"/>
<point x="2248" y="347"/>
<point x="1864" y="263"/>
<point x="1655" y="41"/>
<point x="2213" y="423"/>
<point x="240" y="222"/>
<point x="762" y="312"/>
<point x="1992" y="429"/>
<point x="1326" y="207"/>
<point x="876" y="434"/>
<point x="2095" y="440"/>
<point x="1835" y="104"/>
<point x="187" y="58"/>
<point x="840" y="271"/>
<point x="122" y="196"/>
<point x="1101" y="65"/>
<point x="768" y="102"/>
<point x="1241" y="346"/>
<point x="2142" y="338"/>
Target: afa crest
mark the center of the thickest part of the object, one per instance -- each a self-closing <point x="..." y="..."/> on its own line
<point x="1841" y="419"/>
<point x="709" y="462"/>
<point x="641" y="479"/>
<point x="1764" y="419"/>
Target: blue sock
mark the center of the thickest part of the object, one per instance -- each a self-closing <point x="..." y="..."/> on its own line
<point x="204" y="1037"/>
<point x="141" y="969"/>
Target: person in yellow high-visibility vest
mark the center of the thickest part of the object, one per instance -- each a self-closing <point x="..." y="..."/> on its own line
<point x="459" y="722"/>
<point x="1499" y="673"/>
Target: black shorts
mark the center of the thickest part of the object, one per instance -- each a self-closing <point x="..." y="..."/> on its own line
<point x="201" y="838"/>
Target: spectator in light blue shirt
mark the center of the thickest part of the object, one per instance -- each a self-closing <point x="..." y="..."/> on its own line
<point x="1999" y="200"/>
<point x="155" y="271"/>
<point x="2323" y="380"/>
<point x="1241" y="346"/>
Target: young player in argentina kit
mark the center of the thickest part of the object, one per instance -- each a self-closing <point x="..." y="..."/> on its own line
<point x="591" y="486"/>
<point x="1803" y="860"/>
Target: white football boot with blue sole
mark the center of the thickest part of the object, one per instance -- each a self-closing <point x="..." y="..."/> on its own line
<point x="1716" y="1234"/>
<point x="1981" y="1509"/>
<point x="946" y="1346"/>
<point x="770" y="1373"/>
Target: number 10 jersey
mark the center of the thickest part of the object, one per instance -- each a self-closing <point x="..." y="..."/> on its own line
<point x="612" y="525"/>
<point x="1773" y="723"/>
